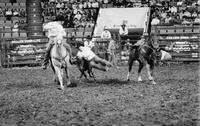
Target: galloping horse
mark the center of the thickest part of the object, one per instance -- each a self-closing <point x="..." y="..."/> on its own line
<point x="144" y="54"/>
<point x="60" y="60"/>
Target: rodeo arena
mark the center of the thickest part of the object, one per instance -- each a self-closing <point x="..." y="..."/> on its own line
<point x="99" y="62"/>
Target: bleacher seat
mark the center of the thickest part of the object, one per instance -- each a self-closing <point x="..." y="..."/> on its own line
<point x="8" y="5"/>
<point x="15" y="35"/>
<point x="2" y="5"/>
<point x="88" y="29"/>
<point x="8" y="23"/>
<point x="14" y="18"/>
<point x="109" y="5"/>
<point x="14" y="21"/>
<point x="2" y="18"/>
<point x="87" y="33"/>
<point x="21" y="1"/>
<point x="69" y="30"/>
<point x="2" y="22"/>
<point x="7" y="29"/>
<point x="16" y="6"/>
<point x="79" y="35"/>
<point x="22" y="5"/>
<point x="7" y="35"/>
<point x="23" y="34"/>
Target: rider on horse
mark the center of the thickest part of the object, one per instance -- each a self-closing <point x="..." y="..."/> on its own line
<point x="56" y="32"/>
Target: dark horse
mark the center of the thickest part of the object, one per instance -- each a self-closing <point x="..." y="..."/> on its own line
<point x="82" y="64"/>
<point x="145" y="55"/>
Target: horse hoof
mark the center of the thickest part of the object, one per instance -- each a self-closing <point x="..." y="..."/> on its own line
<point x="151" y="78"/>
<point x="153" y="82"/>
<point x="61" y="88"/>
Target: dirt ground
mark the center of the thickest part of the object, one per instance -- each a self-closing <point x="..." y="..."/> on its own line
<point x="29" y="97"/>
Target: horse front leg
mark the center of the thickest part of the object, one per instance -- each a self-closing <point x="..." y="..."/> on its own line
<point x="141" y="65"/>
<point x="130" y="64"/>
<point x="150" y="67"/>
<point x="59" y="75"/>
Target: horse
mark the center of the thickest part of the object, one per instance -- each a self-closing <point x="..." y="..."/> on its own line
<point x="59" y="57"/>
<point x="82" y="64"/>
<point x="145" y="55"/>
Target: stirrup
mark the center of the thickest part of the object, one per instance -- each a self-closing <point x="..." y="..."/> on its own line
<point x="44" y="67"/>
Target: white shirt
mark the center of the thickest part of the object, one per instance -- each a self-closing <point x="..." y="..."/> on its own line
<point x="86" y="53"/>
<point x="173" y="9"/>
<point x="106" y="34"/>
<point x="89" y="44"/>
<point x="123" y="32"/>
<point x="155" y="21"/>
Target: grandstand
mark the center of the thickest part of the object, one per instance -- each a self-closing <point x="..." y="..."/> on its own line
<point x="23" y="20"/>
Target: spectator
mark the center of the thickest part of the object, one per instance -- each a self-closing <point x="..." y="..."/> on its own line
<point x="1" y="12"/>
<point x="76" y="23"/>
<point x="112" y="48"/>
<point x="22" y="13"/>
<point x="15" y="12"/>
<point x="123" y="29"/>
<point x="173" y="9"/>
<point x="167" y="19"/>
<point x="89" y="43"/>
<point x="8" y="14"/>
<point x="197" y="19"/>
<point x="155" y="21"/>
<point x="78" y="15"/>
<point x="186" y="21"/>
<point x="105" y="34"/>
<point x="60" y="17"/>
<point x="187" y="13"/>
<point x="95" y="4"/>
<point x="123" y="32"/>
<point x="15" y="27"/>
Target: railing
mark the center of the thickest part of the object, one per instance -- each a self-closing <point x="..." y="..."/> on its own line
<point x="181" y="41"/>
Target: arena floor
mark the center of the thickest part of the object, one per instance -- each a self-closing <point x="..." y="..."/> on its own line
<point x="28" y="96"/>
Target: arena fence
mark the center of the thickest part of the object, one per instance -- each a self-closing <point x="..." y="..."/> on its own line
<point x="30" y="52"/>
<point x="181" y="41"/>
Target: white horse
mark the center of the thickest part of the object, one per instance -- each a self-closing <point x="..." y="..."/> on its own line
<point x="60" y="62"/>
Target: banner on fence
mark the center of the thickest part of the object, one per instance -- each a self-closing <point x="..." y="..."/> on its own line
<point x="23" y="51"/>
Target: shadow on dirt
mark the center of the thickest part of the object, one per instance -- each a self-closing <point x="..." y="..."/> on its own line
<point x="109" y="82"/>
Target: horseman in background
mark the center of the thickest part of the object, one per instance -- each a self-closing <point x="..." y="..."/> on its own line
<point x="55" y="32"/>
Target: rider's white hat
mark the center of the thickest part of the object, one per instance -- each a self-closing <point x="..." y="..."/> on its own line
<point x="54" y="29"/>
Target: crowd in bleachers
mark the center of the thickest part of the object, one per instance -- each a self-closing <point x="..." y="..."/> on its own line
<point x="83" y="13"/>
<point x="12" y="17"/>
<point x="175" y="12"/>
<point x="71" y="13"/>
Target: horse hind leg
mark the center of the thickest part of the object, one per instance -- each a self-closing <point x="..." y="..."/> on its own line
<point x="83" y="74"/>
<point x="67" y="75"/>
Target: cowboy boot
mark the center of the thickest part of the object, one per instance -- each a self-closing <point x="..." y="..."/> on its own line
<point x="46" y="57"/>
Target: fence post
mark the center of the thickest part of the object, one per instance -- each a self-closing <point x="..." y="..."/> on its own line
<point x="0" y="54"/>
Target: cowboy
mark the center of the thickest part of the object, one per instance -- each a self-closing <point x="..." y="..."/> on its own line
<point x="55" y="32"/>
<point x="106" y="34"/>
<point x="142" y="40"/>
<point x="95" y="61"/>
<point x="112" y="48"/>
